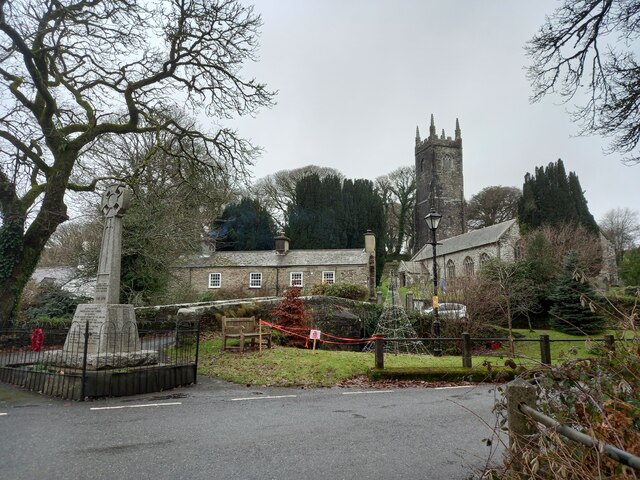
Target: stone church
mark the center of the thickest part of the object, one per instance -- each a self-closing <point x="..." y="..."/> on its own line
<point x="440" y="185"/>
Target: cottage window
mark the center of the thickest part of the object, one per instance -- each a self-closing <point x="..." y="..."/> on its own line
<point x="451" y="269"/>
<point x="329" y="277"/>
<point x="484" y="259"/>
<point x="215" y="280"/>
<point x="255" y="280"/>
<point x="296" y="279"/>
<point x="468" y="267"/>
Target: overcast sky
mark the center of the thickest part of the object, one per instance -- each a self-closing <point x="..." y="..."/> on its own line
<point x="355" y="78"/>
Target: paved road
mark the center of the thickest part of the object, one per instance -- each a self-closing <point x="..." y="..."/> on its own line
<point x="218" y="430"/>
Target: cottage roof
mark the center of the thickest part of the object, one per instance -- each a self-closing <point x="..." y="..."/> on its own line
<point x="268" y="258"/>
<point x="473" y="239"/>
<point x="59" y="275"/>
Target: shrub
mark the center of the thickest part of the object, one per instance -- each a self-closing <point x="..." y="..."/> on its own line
<point x="351" y="291"/>
<point x="50" y="304"/>
<point x="291" y="312"/>
<point x="599" y="396"/>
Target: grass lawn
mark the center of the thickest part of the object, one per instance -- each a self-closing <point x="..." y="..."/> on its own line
<point x="563" y="346"/>
<point x="284" y="366"/>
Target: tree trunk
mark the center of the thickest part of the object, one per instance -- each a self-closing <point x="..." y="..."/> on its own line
<point x="20" y="250"/>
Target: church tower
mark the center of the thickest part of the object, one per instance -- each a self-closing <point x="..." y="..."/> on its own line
<point x="439" y="184"/>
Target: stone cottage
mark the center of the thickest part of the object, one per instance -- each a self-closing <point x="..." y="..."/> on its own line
<point x="270" y="272"/>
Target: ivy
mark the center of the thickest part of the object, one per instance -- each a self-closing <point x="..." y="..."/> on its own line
<point x="10" y="246"/>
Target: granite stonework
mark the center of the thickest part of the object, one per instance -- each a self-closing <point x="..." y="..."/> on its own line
<point x="111" y="328"/>
<point x="111" y="338"/>
<point x="439" y="184"/>
<point x="101" y="361"/>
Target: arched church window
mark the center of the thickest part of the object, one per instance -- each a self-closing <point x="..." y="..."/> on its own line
<point x="451" y="269"/>
<point x="469" y="267"/>
<point x="484" y="259"/>
<point x="518" y="250"/>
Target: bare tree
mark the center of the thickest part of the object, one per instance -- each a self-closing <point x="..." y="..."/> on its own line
<point x="559" y="241"/>
<point x="71" y="242"/>
<point x="492" y="205"/>
<point x="398" y="191"/>
<point x="622" y="228"/>
<point x="515" y="292"/>
<point x="588" y="46"/>
<point x="76" y="72"/>
<point x="278" y="190"/>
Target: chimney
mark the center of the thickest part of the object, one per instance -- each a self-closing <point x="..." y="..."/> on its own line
<point x="208" y="246"/>
<point x="282" y="244"/>
<point x="370" y="242"/>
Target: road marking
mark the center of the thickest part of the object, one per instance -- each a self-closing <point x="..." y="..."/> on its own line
<point x="457" y="386"/>
<point x="1" y="414"/>
<point x="263" y="398"/>
<point x="367" y="392"/>
<point x="136" y="406"/>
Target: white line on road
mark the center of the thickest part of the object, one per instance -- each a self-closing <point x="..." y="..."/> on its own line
<point x="136" y="406"/>
<point x="263" y="398"/>
<point x="367" y="392"/>
<point x="457" y="386"/>
<point x="1" y="414"/>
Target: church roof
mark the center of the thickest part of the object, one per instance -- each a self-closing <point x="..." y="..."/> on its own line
<point x="412" y="267"/>
<point x="473" y="239"/>
<point x="268" y="258"/>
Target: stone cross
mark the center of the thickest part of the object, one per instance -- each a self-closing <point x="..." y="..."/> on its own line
<point x="115" y="201"/>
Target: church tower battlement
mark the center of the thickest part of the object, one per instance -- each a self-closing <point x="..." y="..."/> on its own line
<point x="439" y="184"/>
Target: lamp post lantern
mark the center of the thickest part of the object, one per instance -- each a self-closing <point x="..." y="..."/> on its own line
<point x="433" y="221"/>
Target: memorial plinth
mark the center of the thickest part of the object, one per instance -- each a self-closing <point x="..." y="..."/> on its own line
<point x="106" y="329"/>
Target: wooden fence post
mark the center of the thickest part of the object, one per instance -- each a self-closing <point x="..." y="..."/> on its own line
<point x="545" y="350"/>
<point x="379" y="339"/>
<point x="520" y="427"/>
<point x="379" y="298"/>
<point x="466" y="350"/>
<point x="610" y="343"/>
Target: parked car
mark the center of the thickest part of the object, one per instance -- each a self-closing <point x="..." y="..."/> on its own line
<point x="450" y="311"/>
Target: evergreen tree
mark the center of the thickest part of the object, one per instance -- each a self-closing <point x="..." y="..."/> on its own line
<point x="331" y="213"/>
<point x="245" y="225"/>
<point x="570" y="301"/>
<point x="630" y="267"/>
<point x="550" y="197"/>
<point x="363" y="210"/>
<point x="315" y="214"/>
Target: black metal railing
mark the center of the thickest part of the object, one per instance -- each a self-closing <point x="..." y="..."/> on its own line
<point x="84" y="362"/>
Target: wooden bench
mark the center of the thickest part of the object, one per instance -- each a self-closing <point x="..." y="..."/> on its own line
<point x="243" y="329"/>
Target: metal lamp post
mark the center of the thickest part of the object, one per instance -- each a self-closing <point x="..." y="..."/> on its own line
<point x="433" y="220"/>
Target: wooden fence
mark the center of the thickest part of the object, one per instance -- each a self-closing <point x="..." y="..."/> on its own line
<point x="466" y="341"/>
<point x="521" y="400"/>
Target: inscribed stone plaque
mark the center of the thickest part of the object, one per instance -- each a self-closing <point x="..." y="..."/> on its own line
<point x="112" y="328"/>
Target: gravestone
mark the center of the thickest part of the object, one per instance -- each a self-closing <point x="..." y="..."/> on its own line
<point x="112" y="332"/>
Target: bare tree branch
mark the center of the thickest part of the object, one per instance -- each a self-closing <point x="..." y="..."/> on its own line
<point x="588" y="46"/>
